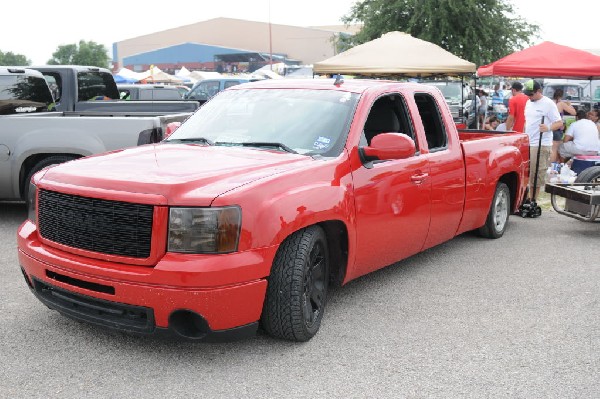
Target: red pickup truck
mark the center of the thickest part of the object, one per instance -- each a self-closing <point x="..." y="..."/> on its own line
<point x="268" y="194"/>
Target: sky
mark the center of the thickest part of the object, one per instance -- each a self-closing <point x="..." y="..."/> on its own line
<point x="38" y="34"/>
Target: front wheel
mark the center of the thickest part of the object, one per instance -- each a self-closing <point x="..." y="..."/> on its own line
<point x="297" y="290"/>
<point x="497" y="218"/>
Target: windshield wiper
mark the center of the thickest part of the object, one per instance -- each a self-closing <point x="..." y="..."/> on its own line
<point x="267" y="144"/>
<point x="191" y="140"/>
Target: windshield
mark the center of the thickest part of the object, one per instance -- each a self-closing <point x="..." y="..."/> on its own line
<point x="311" y="122"/>
<point x="570" y="92"/>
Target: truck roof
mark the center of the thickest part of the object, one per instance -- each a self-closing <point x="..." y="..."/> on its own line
<point x="19" y="70"/>
<point x="349" y="85"/>
<point x="77" y="68"/>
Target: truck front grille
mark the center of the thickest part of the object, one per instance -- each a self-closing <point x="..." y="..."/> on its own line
<point x="109" y="227"/>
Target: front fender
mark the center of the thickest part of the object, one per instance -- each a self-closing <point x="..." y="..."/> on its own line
<point x="283" y="204"/>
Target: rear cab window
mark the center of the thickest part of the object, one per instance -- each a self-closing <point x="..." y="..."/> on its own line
<point x="20" y="93"/>
<point x="96" y="86"/>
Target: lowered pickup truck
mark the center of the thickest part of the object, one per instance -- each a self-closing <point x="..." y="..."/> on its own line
<point x="265" y="196"/>
<point x="85" y="88"/>
<point x="33" y="135"/>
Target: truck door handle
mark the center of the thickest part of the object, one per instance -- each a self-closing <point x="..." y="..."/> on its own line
<point x="418" y="179"/>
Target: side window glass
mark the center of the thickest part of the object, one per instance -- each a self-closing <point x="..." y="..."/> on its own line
<point x="55" y="84"/>
<point x="388" y="114"/>
<point x="146" y="94"/>
<point x="211" y="88"/>
<point x="437" y="138"/>
<point x="231" y="83"/>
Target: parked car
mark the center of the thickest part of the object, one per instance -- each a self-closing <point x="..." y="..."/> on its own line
<point x="148" y="92"/>
<point x="260" y="200"/>
<point x="183" y="90"/>
<point x="572" y="92"/>
<point x="79" y="88"/>
<point x="205" y="89"/>
<point x="33" y="135"/>
<point x="457" y="99"/>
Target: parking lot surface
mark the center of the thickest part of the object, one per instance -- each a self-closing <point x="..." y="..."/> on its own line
<point x="507" y="318"/>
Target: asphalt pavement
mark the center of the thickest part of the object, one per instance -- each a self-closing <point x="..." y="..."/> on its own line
<point x="516" y="317"/>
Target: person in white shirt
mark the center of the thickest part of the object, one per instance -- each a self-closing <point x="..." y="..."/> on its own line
<point x="541" y="118"/>
<point x="581" y="138"/>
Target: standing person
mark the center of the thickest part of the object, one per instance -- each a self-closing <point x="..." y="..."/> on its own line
<point x="516" y="109"/>
<point x="497" y="96"/>
<point x="581" y="138"/>
<point x="564" y="107"/>
<point x="507" y="95"/>
<point x="541" y="119"/>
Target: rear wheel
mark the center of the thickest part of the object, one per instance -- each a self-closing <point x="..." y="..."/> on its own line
<point x="589" y="175"/>
<point x="297" y="290"/>
<point x="497" y="218"/>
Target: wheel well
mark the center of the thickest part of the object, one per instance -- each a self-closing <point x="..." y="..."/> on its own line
<point x="510" y="179"/>
<point x="33" y="160"/>
<point x="337" y="240"/>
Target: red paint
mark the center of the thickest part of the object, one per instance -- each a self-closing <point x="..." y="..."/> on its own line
<point x="390" y="210"/>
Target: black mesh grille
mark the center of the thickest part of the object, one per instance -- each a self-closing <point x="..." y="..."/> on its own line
<point x="94" y="310"/>
<point x="110" y="227"/>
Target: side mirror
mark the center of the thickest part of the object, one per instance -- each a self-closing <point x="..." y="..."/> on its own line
<point x="388" y="146"/>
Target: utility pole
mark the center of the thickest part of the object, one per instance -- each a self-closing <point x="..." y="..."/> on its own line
<point x="270" y="40"/>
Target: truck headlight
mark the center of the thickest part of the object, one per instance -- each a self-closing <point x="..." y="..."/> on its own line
<point x="204" y="230"/>
<point x="31" y="203"/>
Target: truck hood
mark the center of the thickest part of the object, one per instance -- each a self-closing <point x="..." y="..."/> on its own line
<point x="181" y="173"/>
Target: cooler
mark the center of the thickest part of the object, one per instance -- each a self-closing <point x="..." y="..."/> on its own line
<point x="581" y="162"/>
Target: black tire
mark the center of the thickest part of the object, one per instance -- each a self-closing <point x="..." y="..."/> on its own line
<point x="497" y="218"/>
<point x="297" y="290"/>
<point x="588" y="175"/>
<point x="44" y="163"/>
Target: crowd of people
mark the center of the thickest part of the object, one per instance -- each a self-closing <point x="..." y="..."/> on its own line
<point x="541" y="117"/>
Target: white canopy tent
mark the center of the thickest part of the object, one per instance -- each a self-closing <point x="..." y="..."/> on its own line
<point x="396" y="53"/>
<point x="201" y="75"/>
<point x="156" y="75"/>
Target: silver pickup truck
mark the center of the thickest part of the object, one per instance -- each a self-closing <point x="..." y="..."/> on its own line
<point x="33" y="135"/>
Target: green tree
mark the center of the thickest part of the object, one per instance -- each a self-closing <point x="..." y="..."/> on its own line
<point x="480" y="31"/>
<point x="84" y="53"/>
<point x="11" y="59"/>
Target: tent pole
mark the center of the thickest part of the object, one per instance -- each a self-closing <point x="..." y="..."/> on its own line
<point x="475" y="102"/>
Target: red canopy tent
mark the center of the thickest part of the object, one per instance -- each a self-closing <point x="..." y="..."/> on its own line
<point x="546" y="60"/>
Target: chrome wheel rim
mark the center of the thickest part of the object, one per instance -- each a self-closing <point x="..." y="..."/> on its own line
<point x="501" y="210"/>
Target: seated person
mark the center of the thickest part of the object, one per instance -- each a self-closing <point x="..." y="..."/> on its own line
<point x="581" y="138"/>
<point x="492" y="123"/>
<point x="594" y="116"/>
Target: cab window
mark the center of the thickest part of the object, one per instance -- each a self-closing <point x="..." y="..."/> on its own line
<point x="435" y="132"/>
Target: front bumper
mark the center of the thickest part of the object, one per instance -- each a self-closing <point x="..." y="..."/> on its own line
<point x="213" y="298"/>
